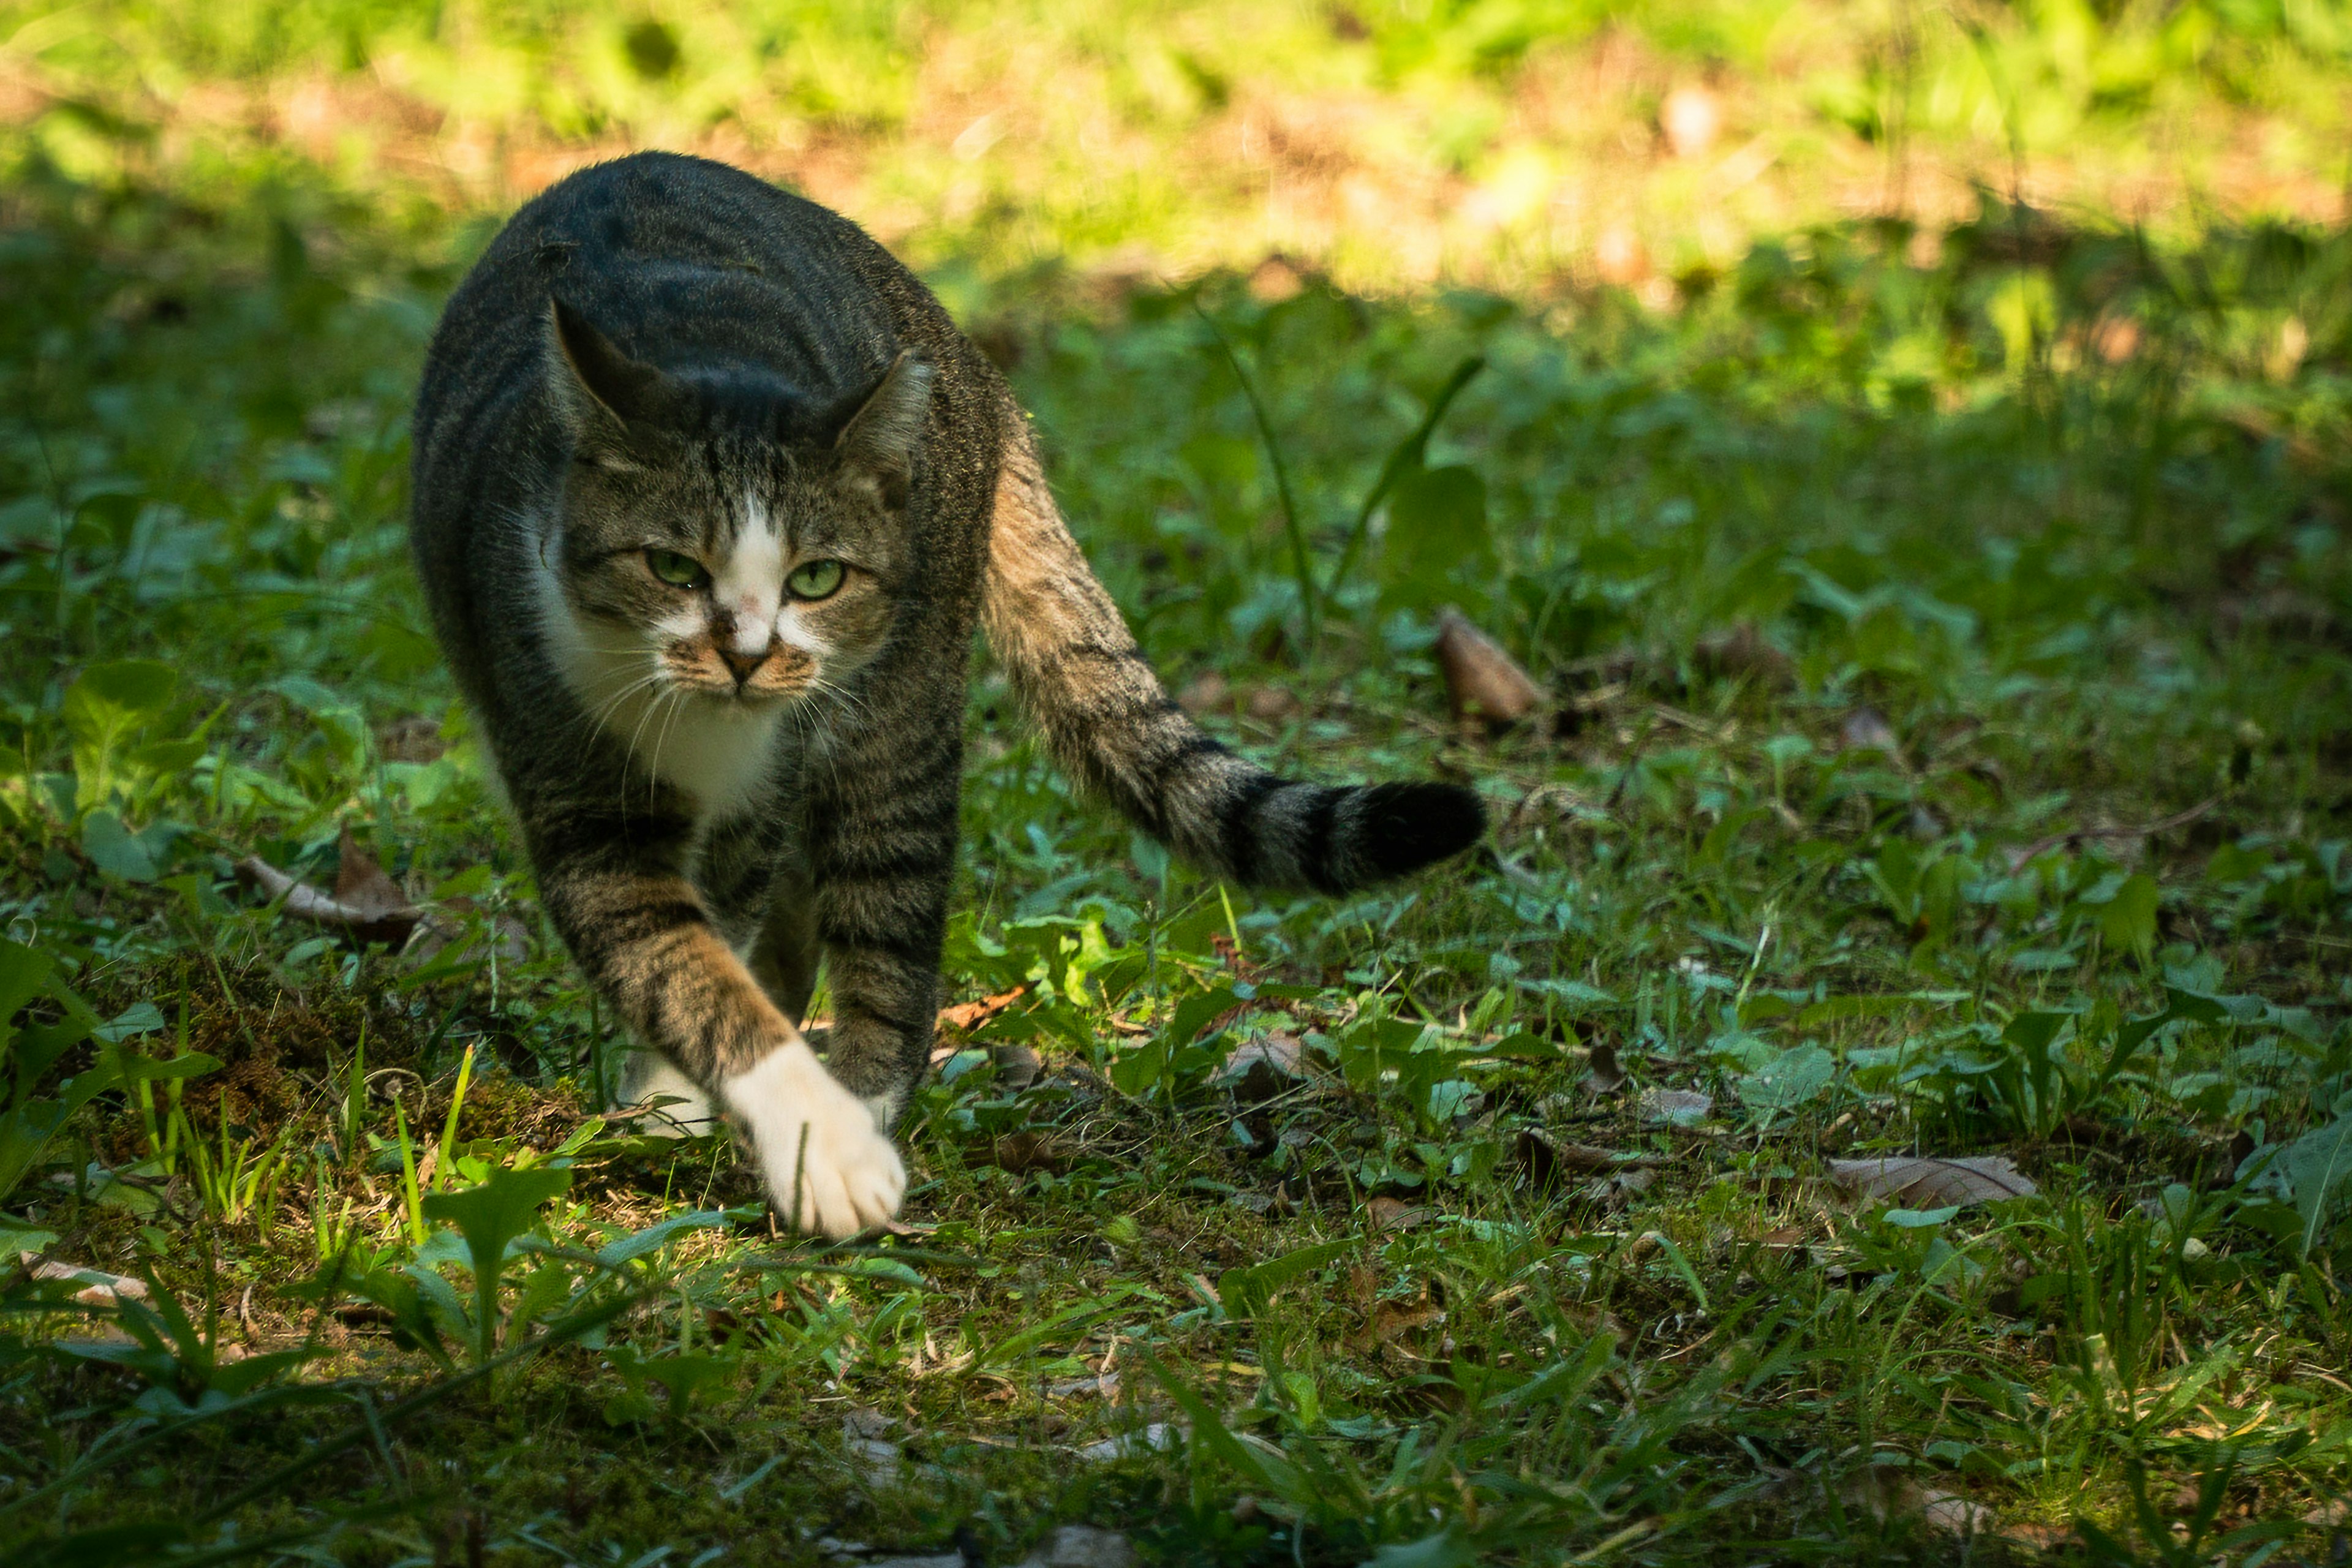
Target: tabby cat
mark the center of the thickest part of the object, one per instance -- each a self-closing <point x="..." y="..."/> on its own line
<point x="709" y="493"/>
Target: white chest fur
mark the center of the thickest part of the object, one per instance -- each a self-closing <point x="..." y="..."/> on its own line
<point x="717" y="753"/>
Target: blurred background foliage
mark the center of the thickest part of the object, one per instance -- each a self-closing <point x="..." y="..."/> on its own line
<point x="1519" y="144"/>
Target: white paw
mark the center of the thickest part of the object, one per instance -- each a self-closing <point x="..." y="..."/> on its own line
<point x="825" y="1163"/>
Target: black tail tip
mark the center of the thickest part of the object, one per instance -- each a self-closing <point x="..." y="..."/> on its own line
<point x="1401" y="828"/>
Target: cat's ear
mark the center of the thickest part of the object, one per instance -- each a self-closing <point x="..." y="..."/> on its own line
<point x="881" y="437"/>
<point x="599" y="382"/>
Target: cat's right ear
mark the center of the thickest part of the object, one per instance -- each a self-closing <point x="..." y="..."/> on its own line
<point x="598" y="383"/>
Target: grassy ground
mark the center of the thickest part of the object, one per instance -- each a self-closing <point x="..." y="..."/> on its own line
<point x="1944" y="754"/>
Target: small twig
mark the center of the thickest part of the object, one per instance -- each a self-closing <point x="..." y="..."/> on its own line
<point x="2041" y="847"/>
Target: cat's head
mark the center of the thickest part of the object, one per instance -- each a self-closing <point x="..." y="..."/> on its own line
<point x="724" y="536"/>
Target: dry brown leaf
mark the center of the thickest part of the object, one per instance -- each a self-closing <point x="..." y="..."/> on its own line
<point x="1482" y="681"/>
<point x="365" y="902"/>
<point x="1743" y="651"/>
<point x="2039" y="1537"/>
<point x="1396" y="1214"/>
<point x="1603" y="1074"/>
<point x="1018" y="1153"/>
<point x="1928" y="1182"/>
<point x="1394" y="1319"/>
<point x="973" y="1014"/>
<point x="1548" y="1155"/>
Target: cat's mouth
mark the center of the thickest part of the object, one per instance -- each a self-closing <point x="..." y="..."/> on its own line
<point x="729" y="679"/>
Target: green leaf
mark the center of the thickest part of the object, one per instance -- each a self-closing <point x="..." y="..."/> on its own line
<point x="2318" y="1169"/>
<point x="652" y="1237"/>
<point x="2129" y="919"/>
<point x="106" y="707"/>
<point x="488" y="1217"/>
<point x="1790" y="1080"/>
<point x="115" y="849"/>
<point x="1246" y="1291"/>
<point x="1436" y="522"/>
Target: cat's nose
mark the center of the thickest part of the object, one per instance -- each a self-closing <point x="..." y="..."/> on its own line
<point x="743" y="664"/>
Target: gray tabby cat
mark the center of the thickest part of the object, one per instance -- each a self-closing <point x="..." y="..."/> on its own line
<point x="709" y="493"/>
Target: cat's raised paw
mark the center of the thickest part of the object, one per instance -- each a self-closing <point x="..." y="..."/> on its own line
<point x="824" y="1163"/>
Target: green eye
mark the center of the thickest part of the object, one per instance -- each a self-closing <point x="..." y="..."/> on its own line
<point x="677" y="571"/>
<point x="815" y="579"/>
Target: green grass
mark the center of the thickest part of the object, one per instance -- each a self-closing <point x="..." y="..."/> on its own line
<point x="1885" y="593"/>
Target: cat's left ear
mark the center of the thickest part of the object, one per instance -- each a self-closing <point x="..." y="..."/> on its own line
<point x="881" y="437"/>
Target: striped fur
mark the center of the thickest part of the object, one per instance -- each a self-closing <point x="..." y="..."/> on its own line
<point x="1112" y="726"/>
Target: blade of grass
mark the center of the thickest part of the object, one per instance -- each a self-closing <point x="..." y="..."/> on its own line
<point x="1407" y="453"/>
<point x="1309" y="601"/>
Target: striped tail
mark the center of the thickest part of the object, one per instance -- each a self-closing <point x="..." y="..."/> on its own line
<point x="1112" y="727"/>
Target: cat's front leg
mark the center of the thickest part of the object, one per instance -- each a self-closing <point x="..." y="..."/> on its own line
<point x="646" y="941"/>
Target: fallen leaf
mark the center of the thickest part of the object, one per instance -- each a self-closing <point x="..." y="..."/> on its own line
<point x="1261" y="1069"/>
<point x="365" y="902"/>
<point x="973" y="1014"/>
<point x="1394" y="1319"/>
<point x="863" y="1421"/>
<point x="104" y="1289"/>
<point x="1396" y="1214"/>
<point x="1682" y="1107"/>
<point x="1548" y="1155"/>
<point x="2039" y="1537"/>
<point x="1082" y="1546"/>
<point x="1482" y="681"/>
<point x="1018" y="1153"/>
<point x="1932" y="1183"/>
<point x="1602" y="1072"/>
